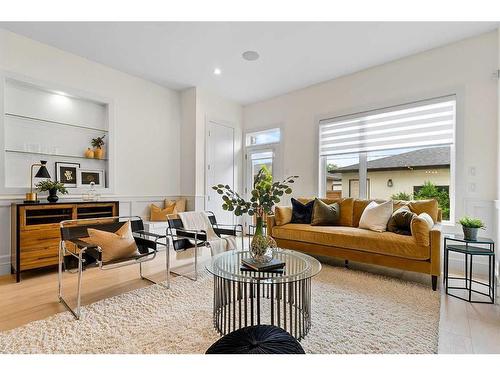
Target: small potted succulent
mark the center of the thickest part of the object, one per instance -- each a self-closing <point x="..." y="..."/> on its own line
<point x="52" y="187"/>
<point x="98" y="144"/>
<point x="470" y="226"/>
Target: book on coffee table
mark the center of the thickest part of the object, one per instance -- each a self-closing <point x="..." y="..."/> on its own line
<point x="257" y="266"/>
<point x="274" y="270"/>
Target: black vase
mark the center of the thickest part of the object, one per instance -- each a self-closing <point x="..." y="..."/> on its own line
<point x="52" y="198"/>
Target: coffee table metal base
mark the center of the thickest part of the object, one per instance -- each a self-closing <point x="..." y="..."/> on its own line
<point x="240" y="304"/>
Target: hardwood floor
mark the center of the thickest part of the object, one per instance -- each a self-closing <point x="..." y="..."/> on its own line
<point x="464" y="327"/>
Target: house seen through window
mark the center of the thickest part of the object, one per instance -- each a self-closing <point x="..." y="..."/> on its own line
<point x="397" y="153"/>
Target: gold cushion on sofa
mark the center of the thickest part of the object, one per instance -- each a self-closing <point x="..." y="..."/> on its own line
<point x="345" y="204"/>
<point x="420" y="228"/>
<point x="354" y="238"/>
<point x="282" y="215"/>
<point x="429" y="206"/>
<point x="118" y="245"/>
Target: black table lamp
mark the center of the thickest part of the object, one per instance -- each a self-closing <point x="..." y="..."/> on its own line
<point x="42" y="173"/>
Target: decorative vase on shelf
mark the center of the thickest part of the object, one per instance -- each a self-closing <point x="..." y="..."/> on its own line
<point x="99" y="153"/>
<point x="262" y="246"/>
<point x="53" y="198"/>
<point x="89" y="153"/>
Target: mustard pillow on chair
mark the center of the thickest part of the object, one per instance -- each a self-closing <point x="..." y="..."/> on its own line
<point x="118" y="245"/>
<point x="158" y="214"/>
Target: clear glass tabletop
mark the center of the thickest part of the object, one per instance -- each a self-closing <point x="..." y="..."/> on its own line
<point x="460" y="238"/>
<point x="298" y="266"/>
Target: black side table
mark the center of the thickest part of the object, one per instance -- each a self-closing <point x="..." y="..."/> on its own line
<point x="481" y="247"/>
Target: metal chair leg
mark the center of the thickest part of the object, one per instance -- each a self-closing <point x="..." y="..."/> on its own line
<point x="195" y="261"/>
<point x="76" y="313"/>
<point x="167" y="263"/>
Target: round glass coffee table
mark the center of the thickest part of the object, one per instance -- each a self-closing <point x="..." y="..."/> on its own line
<point x="247" y="298"/>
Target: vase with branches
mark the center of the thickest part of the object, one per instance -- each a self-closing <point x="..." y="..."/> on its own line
<point x="264" y="195"/>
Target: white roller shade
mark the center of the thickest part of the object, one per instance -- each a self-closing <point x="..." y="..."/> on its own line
<point x="425" y="123"/>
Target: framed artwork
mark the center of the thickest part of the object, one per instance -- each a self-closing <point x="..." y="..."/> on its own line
<point x="67" y="173"/>
<point x="86" y="176"/>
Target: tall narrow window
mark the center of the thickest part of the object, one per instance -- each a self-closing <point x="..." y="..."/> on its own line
<point x="401" y="152"/>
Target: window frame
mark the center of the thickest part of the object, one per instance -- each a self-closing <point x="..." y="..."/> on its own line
<point x="457" y="92"/>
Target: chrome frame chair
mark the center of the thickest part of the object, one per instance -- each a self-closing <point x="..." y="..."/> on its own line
<point x="87" y="254"/>
<point x="183" y="239"/>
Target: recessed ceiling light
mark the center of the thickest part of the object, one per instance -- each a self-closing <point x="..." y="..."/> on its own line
<point x="217" y="71"/>
<point x="250" y="55"/>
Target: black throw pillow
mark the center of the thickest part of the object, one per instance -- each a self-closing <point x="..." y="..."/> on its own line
<point x="301" y="213"/>
<point x="400" y="221"/>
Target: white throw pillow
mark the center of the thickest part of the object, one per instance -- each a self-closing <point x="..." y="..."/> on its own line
<point x="427" y="218"/>
<point x="375" y="216"/>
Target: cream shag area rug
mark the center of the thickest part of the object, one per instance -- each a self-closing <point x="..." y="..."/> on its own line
<point x="353" y="312"/>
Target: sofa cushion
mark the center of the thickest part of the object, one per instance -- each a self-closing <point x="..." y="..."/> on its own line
<point x="400" y="221"/>
<point x="375" y="216"/>
<point x="385" y="243"/>
<point x="346" y="205"/>
<point x="301" y="212"/>
<point x="420" y="227"/>
<point x="358" y="207"/>
<point x="282" y="215"/>
<point x="429" y="206"/>
<point x="325" y="214"/>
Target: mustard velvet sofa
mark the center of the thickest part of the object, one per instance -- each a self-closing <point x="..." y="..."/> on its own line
<point x="419" y="252"/>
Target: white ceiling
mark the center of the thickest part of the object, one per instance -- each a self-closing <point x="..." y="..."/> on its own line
<point x="292" y="54"/>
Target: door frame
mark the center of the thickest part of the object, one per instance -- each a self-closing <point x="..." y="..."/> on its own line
<point x="225" y="124"/>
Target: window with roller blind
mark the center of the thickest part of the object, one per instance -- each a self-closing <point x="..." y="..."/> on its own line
<point x="400" y="152"/>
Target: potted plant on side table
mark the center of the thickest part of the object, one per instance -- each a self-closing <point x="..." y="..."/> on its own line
<point x="52" y="187"/>
<point x="264" y="196"/>
<point x="470" y="226"/>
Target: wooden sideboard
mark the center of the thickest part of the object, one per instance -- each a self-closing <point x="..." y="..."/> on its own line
<point x="35" y="230"/>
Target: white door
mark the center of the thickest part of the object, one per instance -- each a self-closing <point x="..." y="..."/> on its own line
<point x="219" y="168"/>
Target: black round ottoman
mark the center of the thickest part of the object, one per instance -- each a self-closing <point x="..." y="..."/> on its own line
<point x="261" y="339"/>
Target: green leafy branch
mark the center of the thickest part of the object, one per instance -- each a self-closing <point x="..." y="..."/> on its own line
<point x="47" y="185"/>
<point x="264" y="196"/>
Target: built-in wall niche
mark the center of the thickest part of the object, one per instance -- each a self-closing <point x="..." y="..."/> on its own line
<point x="40" y="123"/>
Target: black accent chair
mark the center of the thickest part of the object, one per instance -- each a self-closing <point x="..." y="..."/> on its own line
<point x="183" y="239"/>
<point x="75" y="254"/>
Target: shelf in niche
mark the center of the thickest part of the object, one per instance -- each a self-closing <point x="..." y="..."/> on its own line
<point x="89" y="128"/>
<point x="47" y="154"/>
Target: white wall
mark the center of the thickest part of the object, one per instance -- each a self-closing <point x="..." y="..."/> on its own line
<point x="199" y="106"/>
<point x="464" y="68"/>
<point x="146" y="124"/>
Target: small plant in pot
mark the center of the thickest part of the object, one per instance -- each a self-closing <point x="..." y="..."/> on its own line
<point x="52" y="187"/>
<point x="470" y="226"/>
<point x="98" y="144"/>
<point x="265" y="195"/>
